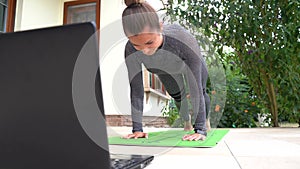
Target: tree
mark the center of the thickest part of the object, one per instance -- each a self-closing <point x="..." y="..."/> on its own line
<point x="265" y="35"/>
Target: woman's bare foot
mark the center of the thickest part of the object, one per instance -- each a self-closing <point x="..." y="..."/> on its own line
<point x="188" y="125"/>
<point x="208" y="124"/>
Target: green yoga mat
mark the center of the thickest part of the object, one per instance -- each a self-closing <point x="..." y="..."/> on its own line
<point x="171" y="138"/>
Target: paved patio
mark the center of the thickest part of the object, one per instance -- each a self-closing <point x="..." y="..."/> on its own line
<point x="256" y="148"/>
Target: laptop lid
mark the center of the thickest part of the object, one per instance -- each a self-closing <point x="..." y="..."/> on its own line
<point x="40" y="91"/>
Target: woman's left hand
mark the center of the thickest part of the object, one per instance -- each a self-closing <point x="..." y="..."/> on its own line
<point x="194" y="137"/>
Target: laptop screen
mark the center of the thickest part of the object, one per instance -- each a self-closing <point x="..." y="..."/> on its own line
<point x="39" y="126"/>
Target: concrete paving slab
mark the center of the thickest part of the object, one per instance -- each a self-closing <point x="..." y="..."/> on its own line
<point x="193" y="162"/>
<point x="265" y="148"/>
<point x="269" y="162"/>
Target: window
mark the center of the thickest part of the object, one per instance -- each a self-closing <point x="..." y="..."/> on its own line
<point x="155" y="83"/>
<point x="82" y="11"/>
<point x="7" y="15"/>
<point x="3" y="15"/>
<point x="153" y="86"/>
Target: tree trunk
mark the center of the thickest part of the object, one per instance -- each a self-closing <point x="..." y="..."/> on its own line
<point x="274" y="105"/>
<point x="272" y="98"/>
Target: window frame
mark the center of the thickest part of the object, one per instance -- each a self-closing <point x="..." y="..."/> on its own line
<point x="150" y="80"/>
<point x="82" y="2"/>
<point x="155" y="83"/>
<point x="10" y="15"/>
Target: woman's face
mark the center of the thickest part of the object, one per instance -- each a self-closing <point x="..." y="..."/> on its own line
<point x="147" y="42"/>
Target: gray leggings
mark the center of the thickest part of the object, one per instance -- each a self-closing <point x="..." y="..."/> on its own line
<point x="178" y="88"/>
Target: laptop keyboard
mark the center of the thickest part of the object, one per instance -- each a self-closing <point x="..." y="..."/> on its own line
<point x="122" y="163"/>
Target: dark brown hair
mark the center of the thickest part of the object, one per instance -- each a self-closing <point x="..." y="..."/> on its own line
<point x="137" y="16"/>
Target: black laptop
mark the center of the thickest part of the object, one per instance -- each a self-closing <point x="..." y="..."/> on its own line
<point x="51" y="106"/>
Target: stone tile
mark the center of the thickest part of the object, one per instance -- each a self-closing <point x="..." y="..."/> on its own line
<point x="257" y="142"/>
<point x="269" y="162"/>
<point x="193" y="162"/>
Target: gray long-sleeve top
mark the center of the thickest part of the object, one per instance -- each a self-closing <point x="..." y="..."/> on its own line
<point x="179" y="54"/>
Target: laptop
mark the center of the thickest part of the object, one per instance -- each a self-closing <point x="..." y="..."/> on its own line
<point x="51" y="103"/>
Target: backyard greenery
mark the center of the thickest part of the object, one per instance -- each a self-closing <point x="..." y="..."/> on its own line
<point x="264" y="36"/>
<point x="242" y="105"/>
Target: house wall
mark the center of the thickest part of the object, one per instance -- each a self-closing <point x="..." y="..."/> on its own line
<point x="32" y="14"/>
<point x="112" y="64"/>
<point x="154" y="105"/>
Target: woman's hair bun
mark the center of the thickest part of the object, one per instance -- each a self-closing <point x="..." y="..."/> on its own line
<point x="131" y="2"/>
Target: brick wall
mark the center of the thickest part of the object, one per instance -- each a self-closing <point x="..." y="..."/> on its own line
<point x="125" y="120"/>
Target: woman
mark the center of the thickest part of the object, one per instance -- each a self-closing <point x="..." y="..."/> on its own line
<point x="172" y="54"/>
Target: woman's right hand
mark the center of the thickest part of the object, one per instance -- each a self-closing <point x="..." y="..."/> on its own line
<point x="136" y="135"/>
